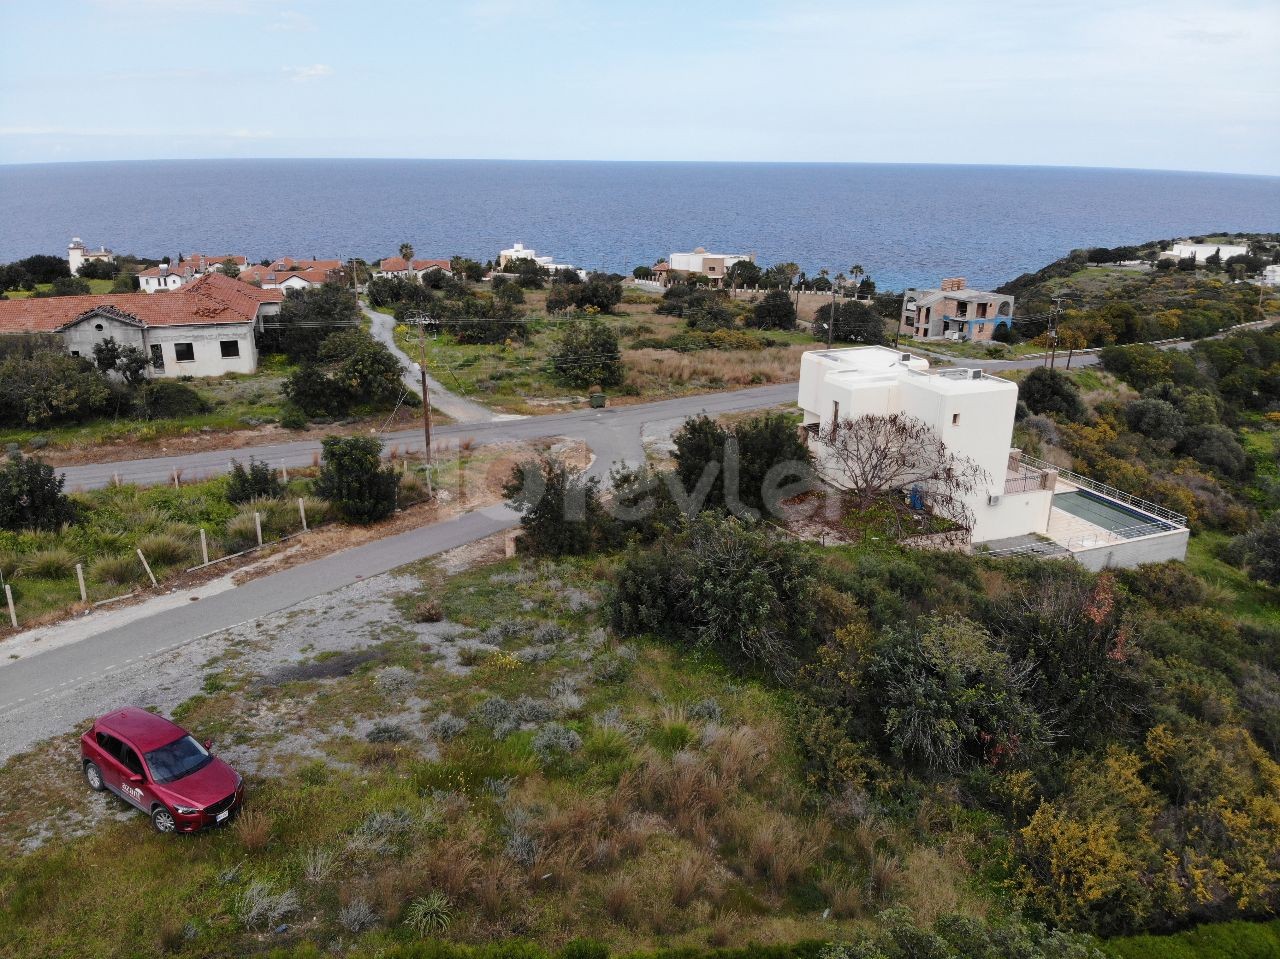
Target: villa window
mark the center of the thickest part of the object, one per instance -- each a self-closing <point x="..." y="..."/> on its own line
<point x="835" y="411"/>
<point x="230" y="349"/>
<point x="955" y="419"/>
<point x="157" y="356"/>
<point x="184" y="352"/>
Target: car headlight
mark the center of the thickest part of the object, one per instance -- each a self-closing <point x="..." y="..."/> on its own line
<point x="186" y="810"/>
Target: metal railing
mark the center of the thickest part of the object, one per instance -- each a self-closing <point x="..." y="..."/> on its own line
<point x="1043" y="548"/>
<point x="1027" y="482"/>
<point x="1110" y="492"/>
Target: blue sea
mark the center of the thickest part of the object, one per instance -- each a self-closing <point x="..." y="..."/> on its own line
<point x="906" y="224"/>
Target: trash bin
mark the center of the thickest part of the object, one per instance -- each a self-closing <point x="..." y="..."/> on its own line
<point x="597" y="401"/>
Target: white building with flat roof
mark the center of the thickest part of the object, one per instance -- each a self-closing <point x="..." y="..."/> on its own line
<point x="1021" y="504"/>
<point x="1202" y="251"/>
<point x="712" y="265"/>
<point x="78" y="255"/>
<point x="1271" y="275"/>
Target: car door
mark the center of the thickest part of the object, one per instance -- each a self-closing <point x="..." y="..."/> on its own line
<point x="108" y="760"/>
<point x="133" y="785"/>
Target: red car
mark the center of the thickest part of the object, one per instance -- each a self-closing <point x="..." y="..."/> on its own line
<point x="159" y="767"/>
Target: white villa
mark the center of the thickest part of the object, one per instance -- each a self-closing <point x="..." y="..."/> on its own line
<point x="78" y="256"/>
<point x="711" y="265"/>
<point x="1026" y="505"/>
<point x="1202" y="251"/>
<point x="205" y="328"/>
<point x="519" y="251"/>
<point x="1271" y="275"/>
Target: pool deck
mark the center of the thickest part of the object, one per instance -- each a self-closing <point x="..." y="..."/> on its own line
<point x="1076" y="533"/>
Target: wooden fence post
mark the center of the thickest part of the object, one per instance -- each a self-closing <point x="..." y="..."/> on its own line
<point x="302" y="511"/>
<point x="257" y="526"/>
<point x="147" y="567"/>
<point x="204" y="547"/>
<point x="284" y="474"/>
<point x="13" y="613"/>
<point x="84" y="593"/>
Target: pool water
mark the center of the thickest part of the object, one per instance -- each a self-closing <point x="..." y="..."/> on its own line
<point x="1111" y="516"/>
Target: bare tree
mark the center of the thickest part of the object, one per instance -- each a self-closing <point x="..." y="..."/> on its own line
<point x="873" y="456"/>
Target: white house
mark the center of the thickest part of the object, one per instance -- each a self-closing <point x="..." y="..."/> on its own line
<point x="170" y="276"/>
<point x="519" y="251"/>
<point x="396" y="267"/>
<point x="712" y="265"/>
<point x="205" y="328"/>
<point x="1271" y="275"/>
<point x="78" y="256"/>
<point x="1023" y="504"/>
<point x="1202" y="251"/>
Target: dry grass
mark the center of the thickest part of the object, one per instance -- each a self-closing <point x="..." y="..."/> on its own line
<point x="691" y="878"/>
<point x="729" y="367"/>
<point x="620" y="899"/>
<point x="843" y="893"/>
<point x="253" y="828"/>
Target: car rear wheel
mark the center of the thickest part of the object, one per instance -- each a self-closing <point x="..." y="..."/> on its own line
<point x="163" y="820"/>
<point x="93" y="776"/>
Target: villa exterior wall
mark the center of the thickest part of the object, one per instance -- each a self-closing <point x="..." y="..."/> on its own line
<point x="1148" y="549"/>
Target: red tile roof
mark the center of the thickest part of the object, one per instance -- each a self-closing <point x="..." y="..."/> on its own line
<point x="269" y="275"/>
<point x="193" y="264"/>
<point x="213" y="298"/>
<point x="396" y="264"/>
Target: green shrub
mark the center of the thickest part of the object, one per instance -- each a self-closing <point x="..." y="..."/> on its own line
<point x="293" y="418"/>
<point x="165" y="399"/>
<point x="31" y="495"/>
<point x="561" y="511"/>
<point x="587" y="354"/>
<point x="354" y="480"/>
<point x="1222" y="940"/>
<point x="259" y="480"/>
<point x="241" y="532"/>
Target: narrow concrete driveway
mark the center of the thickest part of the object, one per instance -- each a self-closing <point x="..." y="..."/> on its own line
<point x="459" y="408"/>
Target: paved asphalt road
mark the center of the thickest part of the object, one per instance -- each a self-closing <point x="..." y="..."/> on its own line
<point x="43" y="692"/>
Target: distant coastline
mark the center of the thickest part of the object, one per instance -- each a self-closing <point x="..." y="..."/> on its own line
<point x="907" y="224"/>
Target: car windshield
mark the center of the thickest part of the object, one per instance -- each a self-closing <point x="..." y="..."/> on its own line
<point x="180" y="758"/>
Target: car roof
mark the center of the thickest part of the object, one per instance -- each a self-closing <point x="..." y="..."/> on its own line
<point x="144" y="730"/>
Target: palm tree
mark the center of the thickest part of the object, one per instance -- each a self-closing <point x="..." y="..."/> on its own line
<point x="406" y="254"/>
<point x="856" y="272"/>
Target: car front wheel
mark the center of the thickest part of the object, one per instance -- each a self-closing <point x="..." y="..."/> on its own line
<point x="93" y="775"/>
<point x="163" y="820"/>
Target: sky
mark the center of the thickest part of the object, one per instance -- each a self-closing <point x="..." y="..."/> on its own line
<point x="1174" y="84"/>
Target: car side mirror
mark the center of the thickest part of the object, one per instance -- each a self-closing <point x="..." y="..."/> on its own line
<point x="135" y="777"/>
<point x="208" y="744"/>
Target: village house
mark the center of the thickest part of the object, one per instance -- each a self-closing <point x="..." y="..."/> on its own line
<point x="954" y="312"/>
<point x="78" y="256"/>
<point x="519" y="251"/>
<point x="711" y="265"/>
<point x="1271" y="275"/>
<point x="204" y="328"/>
<point x="395" y="267"/>
<point x="288" y="273"/>
<point x="1202" y="251"/>
<point x="1023" y="505"/>
<point x="170" y="276"/>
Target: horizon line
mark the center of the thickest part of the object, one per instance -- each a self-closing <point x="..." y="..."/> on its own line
<point x="406" y="159"/>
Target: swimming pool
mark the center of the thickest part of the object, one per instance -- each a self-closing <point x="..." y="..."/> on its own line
<point x="1110" y="515"/>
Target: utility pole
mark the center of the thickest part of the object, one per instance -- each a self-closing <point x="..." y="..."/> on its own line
<point x="421" y="320"/>
<point x="831" y="320"/>
<point x="1053" y="331"/>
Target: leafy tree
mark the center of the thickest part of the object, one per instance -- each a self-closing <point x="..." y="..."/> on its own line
<point x="307" y="318"/>
<point x="1003" y="333"/>
<point x="529" y="273"/>
<point x="742" y="591"/>
<point x="362" y="369"/>
<point x="165" y="399"/>
<point x="230" y="268"/>
<point x="642" y="273"/>
<point x="742" y="274"/>
<point x="312" y="391"/>
<point x="1217" y="447"/>
<point x="98" y="270"/>
<point x="259" y="480"/>
<point x="67" y="286"/>
<point x="43" y="268"/>
<point x="1051" y="392"/>
<point x="856" y="322"/>
<point x="128" y="362"/>
<point x="561" y="511"/>
<point x="1157" y="420"/>
<point x="746" y="469"/>
<point x="354" y="480"/>
<point x="949" y="696"/>
<point x="566" y="274"/>
<point x="467" y="269"/>
<point x="125" y="282"/>
<point x="587" y="354"/>
<point x="775" y="311"/>
<point x="1258" y="551"/>
<point x="50" y="386"/>
<point x="31" y="496"/>
<point x="406" y="254"/>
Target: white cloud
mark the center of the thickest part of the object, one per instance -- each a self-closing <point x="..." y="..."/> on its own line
<point x="317" y="71"/>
